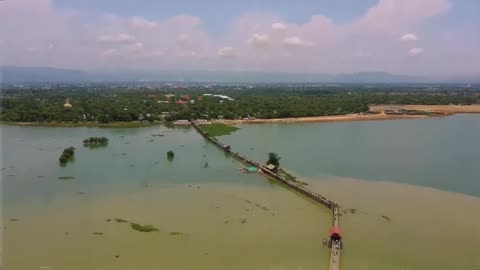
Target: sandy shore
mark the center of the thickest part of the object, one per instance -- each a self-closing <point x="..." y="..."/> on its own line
<point x="448" y="109"/>
<point x="441" y="109"/>
<point x="331" y="118"/>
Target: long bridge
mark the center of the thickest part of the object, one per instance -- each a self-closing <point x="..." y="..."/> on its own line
<point x="335" y="234"/>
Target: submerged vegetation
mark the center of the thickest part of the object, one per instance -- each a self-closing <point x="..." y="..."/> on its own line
<point x="143" y="228"/>
<point x="66" y="177"/>
<point x="121" y="220"/>
<point x="214" y="130"/>
<point x="170" y="155"/>
<point x="67" y="155"/>
<point x="94" y="142"/>
<point x="289" y="177"/>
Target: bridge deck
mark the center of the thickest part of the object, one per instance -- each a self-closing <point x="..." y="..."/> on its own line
<point x="336" y="245"/>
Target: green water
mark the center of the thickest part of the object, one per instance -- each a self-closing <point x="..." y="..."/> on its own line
<point x="226" y="220"/>
<point x="443" y="153"/>
<point x="392" y="172"/>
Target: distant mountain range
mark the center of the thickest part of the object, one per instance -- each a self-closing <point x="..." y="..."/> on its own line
<point x="10" y="74"/>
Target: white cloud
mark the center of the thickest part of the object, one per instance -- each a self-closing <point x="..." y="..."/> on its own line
<point x="295" y="41"/>
<point x="409" y="37"/>
<point x="158" y="53"/>
<point x="118" y="39"/>
<point x="110" y="52"/>
<point x="415" y="51"/>
<point x="34" y="50"/>
<point x="141" y="23"/>
<point x="279" y="27"/>
<point x="259" y="39"/>
<point x="388" y="15"/>
<point x="135" y="48"/>
<point x="371" y="42"/>
<point x="226" y="52"/>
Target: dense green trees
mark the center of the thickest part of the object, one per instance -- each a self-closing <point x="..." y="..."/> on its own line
<point x="94" y="142"/>
<point x="106" y="105"/>
<point x="273" y="159"/>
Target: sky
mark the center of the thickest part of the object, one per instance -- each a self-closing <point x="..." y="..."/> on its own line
<point x="415" y="37"/>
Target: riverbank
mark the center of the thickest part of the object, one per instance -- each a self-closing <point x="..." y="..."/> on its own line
<point x="133" y="124"/>
<point x="378" y="114"/>
<point x="329" y="118"/>
<point x="446" y="109"/>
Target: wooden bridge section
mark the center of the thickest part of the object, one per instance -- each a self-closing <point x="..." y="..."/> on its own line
<point x="335" y="244"/>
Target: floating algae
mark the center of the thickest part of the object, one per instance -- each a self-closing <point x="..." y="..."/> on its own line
<point x="121" y="220"/>
<point x="143" y="228"/>
<point x="243" y="220"/>
<point x="386" y="218"/>
<point x="66" y="177"/>
<point x="170" y="155"/>
<point x="98" y="233"/>
<point x="175" y="233"/>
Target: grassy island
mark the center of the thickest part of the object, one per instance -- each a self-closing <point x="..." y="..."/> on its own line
<point x="94" y="142"/>
<point x="214" y="130"/>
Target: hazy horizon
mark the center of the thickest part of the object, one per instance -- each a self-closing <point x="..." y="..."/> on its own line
<point x="421" y="38"/>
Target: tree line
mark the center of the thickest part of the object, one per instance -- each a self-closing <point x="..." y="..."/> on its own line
<point x="119" y="105"/>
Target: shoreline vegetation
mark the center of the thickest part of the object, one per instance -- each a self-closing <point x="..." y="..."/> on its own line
<point x="130" y="124"/>
<point x="221" y="126"/>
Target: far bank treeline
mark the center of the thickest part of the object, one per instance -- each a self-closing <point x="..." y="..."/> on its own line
<point x="108" y="104"/>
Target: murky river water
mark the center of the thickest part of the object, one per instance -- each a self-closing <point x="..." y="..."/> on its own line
<point x="210" y="216"/>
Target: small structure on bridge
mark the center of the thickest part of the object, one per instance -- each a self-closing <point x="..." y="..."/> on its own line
<point x="271" y="167"/>
<point x="335" y="234"/>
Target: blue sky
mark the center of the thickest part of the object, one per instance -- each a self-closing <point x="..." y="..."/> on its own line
<point x="217" y="14"/>
<point x="399" y="36"/>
